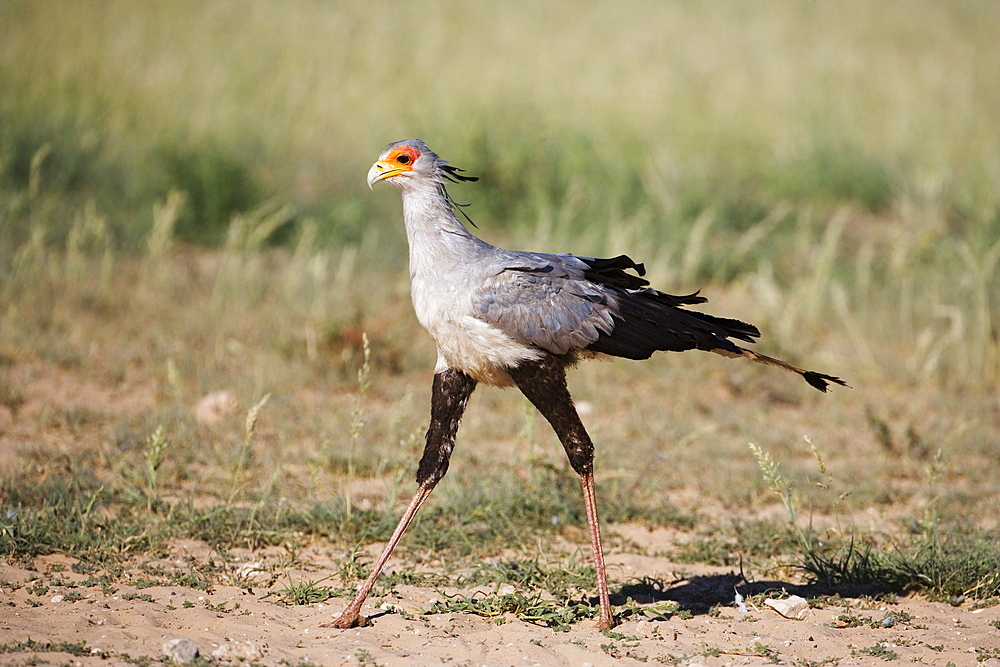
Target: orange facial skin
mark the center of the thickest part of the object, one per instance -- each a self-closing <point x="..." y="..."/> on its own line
<point x="397" y="162"/>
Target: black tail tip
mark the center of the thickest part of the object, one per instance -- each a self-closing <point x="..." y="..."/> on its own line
<point x="821" y="381"/>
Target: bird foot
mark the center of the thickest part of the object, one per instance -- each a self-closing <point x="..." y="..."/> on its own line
<point x="348" y="619"/>
<point x="605" y="623"/>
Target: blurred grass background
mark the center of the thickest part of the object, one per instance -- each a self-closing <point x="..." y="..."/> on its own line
<point x="182" y="202"/>
<point x="847" y="153"/>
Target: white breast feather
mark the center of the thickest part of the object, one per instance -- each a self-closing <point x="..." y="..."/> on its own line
<point x="464" y="342"/>
<point x="446" y="269"/>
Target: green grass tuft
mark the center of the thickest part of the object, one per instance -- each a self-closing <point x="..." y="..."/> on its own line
<point x="531" y="609"/>
<point x="958" y="566"/>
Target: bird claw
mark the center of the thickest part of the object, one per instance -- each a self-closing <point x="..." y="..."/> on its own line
<point x="347" y="620"/>
<point x="605" y="623"/>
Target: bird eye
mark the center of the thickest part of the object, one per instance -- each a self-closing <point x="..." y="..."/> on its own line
<point x="403" y="159"/>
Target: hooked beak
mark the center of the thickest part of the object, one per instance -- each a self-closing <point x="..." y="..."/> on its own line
<point x="382" y="170"/>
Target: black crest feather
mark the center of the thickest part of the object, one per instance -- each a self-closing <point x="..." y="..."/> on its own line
<point x="451" y="173"/>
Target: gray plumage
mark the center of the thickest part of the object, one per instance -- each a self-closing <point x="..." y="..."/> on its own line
<point x="505" y="317"/>
<point x="489" y="309"/>
<point x="545" y="301"/>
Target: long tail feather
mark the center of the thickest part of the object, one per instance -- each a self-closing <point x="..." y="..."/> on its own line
<point x="820" y="381"/>
<point x="648" y="320"/>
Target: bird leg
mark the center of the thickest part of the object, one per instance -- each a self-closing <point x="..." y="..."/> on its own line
<point x="351" y="616"/>
<point x="544" y="384"/>
<point x="449" y="396"/>
<point x="607" y="620"/>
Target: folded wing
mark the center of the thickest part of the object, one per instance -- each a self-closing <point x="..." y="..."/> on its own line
<point x="563" y="303"/>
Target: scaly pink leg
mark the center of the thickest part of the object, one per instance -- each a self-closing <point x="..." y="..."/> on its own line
<point x="449" y="395"/>
<point x="543" y="382"/>
<point x="607" y="620"/>
<point x="351" y="617"/>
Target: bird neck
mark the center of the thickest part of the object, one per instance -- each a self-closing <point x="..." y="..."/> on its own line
<point x="432" y="229"/>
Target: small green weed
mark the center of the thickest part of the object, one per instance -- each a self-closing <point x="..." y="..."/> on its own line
<point x="987" y="653"/>
<point x="77" y="649"/>
<point x="878" y="650"/>
<point x="532" y="574"/>
<point x="764" y="651"/>
<point x="944" y="568"/>
<point x="303" y="592"/>
<point x="532" y="609"/>
<point x="961" y="563"/>
<point x="38" y="588"/>
<point x="245" y="451"/>
<point x="622" y="647"/>
<point x="156" y="446"/>
<point x="220" y="607"/>
<point x="358" y="413"/>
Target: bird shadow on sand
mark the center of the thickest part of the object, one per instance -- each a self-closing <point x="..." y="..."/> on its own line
<point x="699" y="594"/>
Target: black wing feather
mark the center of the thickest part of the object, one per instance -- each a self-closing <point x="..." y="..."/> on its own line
<point x="648" y="320"/>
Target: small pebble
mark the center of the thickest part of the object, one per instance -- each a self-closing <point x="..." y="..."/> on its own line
<point x="181" y="650"/>
<point x="793" y="607"/>
<point x="239" y="651"/>
<point x="647" y="629"/>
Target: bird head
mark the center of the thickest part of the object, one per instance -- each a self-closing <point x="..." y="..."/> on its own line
<point x="403" y="161"/>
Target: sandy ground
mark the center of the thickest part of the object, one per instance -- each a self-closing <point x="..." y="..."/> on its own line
<point x="122" y="623"/>
<point x="236" y="624"/>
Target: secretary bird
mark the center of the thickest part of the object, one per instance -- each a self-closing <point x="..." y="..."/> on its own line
<point x="510" y="318"/>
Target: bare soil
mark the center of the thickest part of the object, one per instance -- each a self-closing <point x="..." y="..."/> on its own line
<point x="233" y="623"/>
<point x="49" y="602"/>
